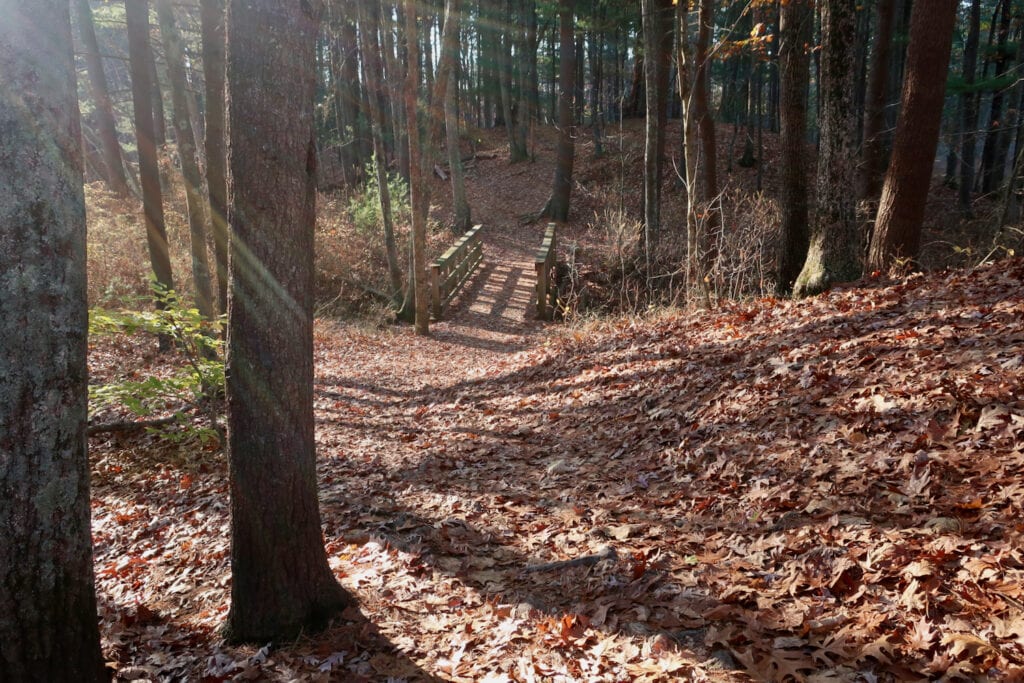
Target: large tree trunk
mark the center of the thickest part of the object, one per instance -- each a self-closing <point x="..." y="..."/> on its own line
<point x="48" y="621"/>
<point x="212" y="18"/>
<point x="897" y="231"/>
<point x="557" y="207"/>
<point x="419" y="197"/>
<point x="833" y="255"/>
<point x="969" y="109"/>
<point x="796" y="27"/>
<point x="105" y="122"/>
<point x="140" y="57"/>
<point x="281" y="583"/>
<point x="184" y="135"/>
<point x="374" y="74"/>
<point x="875" y="99"/>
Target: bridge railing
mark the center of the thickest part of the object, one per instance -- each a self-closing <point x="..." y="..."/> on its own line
<point x="544" y="265"/>
<point x="450" y="272"/>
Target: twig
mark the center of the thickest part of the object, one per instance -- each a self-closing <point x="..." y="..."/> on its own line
<point x="607" y="553"/>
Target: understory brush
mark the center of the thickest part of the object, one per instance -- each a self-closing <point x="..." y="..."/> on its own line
<point x="117" y="256"/>
<point x="617" y="271"/>
<point x="189" y="386"/>
<point x="351" y="259"/>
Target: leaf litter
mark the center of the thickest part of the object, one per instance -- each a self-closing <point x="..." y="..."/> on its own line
<point x="826" y="490"/>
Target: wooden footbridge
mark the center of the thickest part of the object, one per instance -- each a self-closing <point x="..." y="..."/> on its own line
<point x="463" y="265"/>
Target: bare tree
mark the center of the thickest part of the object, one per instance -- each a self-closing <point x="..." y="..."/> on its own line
<point x="212" y="22"/>
<point x="185" y="137"/>
<point x="419" y="198"/>
<point x="105" y="122"/>
<point x="140" y="56"/>
<point x="373" y="71"/>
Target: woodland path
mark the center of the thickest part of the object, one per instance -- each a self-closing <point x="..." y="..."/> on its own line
<point x="495" y="310"/>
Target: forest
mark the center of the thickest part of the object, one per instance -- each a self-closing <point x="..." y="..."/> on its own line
<point x="511" y="340"/>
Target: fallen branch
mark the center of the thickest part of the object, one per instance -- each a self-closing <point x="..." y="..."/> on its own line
<point x="131" y="425"/>
<point x="607" y="553"/>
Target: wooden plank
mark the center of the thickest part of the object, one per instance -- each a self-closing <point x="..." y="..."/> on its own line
<point x="435" y="290"/>
<point x="454" y="268"/>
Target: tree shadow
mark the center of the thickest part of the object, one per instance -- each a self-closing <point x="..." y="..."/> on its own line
<point x="551" y="456"/>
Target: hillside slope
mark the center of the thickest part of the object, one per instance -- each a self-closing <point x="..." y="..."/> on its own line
<point x="818" y="490"/>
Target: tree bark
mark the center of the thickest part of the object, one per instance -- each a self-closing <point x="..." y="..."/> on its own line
<point x="212" y="20"/>
<point x="184" y="135"/>
<point x="281" y="583"/>
<point x="557" y="207"/>
<point x="833" y="255"/>
<point x="419" y="197"/>
<point x="48" y="620"/>
<point x="897" y="232"/>
<point x="796" y="28"/>
<point x="140" y="57"/>
<point x="105" y="122"/>
<point x="875" y="99"/>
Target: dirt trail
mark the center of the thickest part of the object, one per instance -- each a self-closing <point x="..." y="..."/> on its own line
<point x="493" y="317"/>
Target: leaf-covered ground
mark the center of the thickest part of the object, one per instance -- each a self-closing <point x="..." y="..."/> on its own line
<point x="826" y="490"/>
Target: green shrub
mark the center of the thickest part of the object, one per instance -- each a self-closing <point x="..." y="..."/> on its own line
<point x="195" y="387"/>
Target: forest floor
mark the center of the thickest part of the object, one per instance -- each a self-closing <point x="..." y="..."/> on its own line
<point x="826" y="490"/>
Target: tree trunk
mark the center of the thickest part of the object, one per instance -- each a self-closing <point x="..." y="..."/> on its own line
<point x="833" y="255"/>
<point x="281" y="584"/>
<point x="450" y="50"/>
<point x="505" y="40"/>
<point x="969" y="109"/>
<point x="691" y="143"/>
<point x="875" y="100"/>
<point x="708" y="161"/>
<point x="993" y="155"/>
<point x="897" y="232"/>
<point x="796" y="28"/>
<point x="105" y="122"/>
<point x="374" y="74"/>
<point x="419" y="197"/>
<point x="655" y="85"/>
<point x="140" y="56"/>
<point x="212" y="19"/>
<point x="187" y="151"/>
<point x="48" y="620"/>
<point x="557" y="207"/>
<point x="528" y="97"/>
